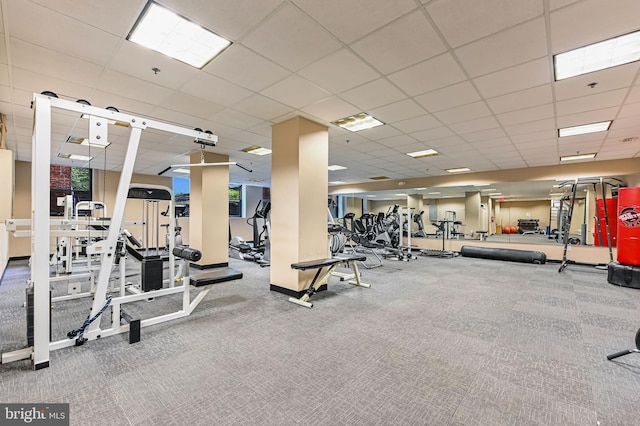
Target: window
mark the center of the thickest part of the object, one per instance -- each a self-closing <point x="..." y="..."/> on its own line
<point x="181" y="192"/>
<point x="64" y="180"/>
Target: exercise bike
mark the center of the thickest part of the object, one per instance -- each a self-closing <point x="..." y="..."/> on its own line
<point x="260" y="251"/>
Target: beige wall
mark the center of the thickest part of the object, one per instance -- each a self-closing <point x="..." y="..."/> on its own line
<point x="510" y="211"/>
<point x="6" y="206"/>
<point x="19" y="247"/>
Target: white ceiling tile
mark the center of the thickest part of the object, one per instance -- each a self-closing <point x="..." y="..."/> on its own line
<point x="339" y="71"/>
<point x="475" y="125"/>
<point x="32" y="57"/>
<point x="520" y="100"/>
<point x="133" y="106"/>
<point x="380" y="132"/>
<point x="397" y="111"/>
<point x="262" y="107"/>
<point x="246" y="68"/>
<point x="295" y="92"/>
<point x="462" y="21"/>
<point x="429" y="75"/>
<point x="630" y="110"/>
<point x="331" y="109"/>
<point x="525" y="115"/>
<point x="431" y="134"/>
<point x="606" y="80"/>
<point x="130" y="87"/>
<point x="352" y="20"/>
<point x="415" y="35"/>
<point x="463" y="113"/>
<point x="449" y="97"/>
<point x="214" y="89"/>
<point x="590" y="21"/>
<point x="291" y="39"/>
<point x="95" y="45"/>
<point x="587" y="117"/>
<point x="373" y="94"/>
<point x="415" y="124"/>
<point x="591" y="102"/>
<point x="482" y="135"/>
<point x="557" y="4"/>
<point x="115" y="16"/>
<point x="531" y="127"/>
<point x="550" y="133"/>
<point x="36" y="83"/>
<point x="520" y="77"/>
<point x="516" y="45"/>
<point x="235" y="118"/>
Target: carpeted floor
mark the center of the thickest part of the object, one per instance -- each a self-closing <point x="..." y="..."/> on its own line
<point x="433" y="342"/>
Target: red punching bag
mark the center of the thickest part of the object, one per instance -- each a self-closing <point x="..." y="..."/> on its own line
<point x="612" y="210"/>
<point x="629" y="226"/>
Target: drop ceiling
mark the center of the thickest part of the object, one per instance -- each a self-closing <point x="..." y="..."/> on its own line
<point x="473" y="80"/>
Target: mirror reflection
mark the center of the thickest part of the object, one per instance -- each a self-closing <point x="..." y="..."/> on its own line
<point x="535" y="212"/>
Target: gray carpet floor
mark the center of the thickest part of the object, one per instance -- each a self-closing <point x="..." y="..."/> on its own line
<point x="434" y="341"/>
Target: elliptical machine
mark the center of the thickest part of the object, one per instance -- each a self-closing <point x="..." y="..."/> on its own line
<point x="260" y="250"/>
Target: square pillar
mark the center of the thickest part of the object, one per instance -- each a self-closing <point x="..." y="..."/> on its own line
<point x="7" y="178"/>
<point x="299" y="182"/>
<point x="209" y="210"/>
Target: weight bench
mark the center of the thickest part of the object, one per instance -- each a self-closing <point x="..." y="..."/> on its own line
<point x="320" y="277"/>
<point x="214" y="276"/>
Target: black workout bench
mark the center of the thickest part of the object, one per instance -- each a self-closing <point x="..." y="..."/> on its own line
<point x="331" y="264"/>
<point x="214" y="276"/>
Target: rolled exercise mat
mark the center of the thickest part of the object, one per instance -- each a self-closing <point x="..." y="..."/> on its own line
<point x="629" y="226"/>
<point x="525" y="256"/>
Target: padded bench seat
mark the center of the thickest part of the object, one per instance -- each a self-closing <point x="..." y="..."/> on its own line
<point x="214" y="276"/>
<point x="331" y="264"/>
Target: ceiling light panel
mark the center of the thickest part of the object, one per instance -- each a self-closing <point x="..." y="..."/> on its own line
<point x="335" y="167"/>
<point x="578" y="157"/>
<point x="598" y="56"/>
<point x="358" y="122"/>
<point x="423" y="153"/>
<point x="459" y="170"/>
<point x="584" y="129"/>
<point x="166" y="32"/>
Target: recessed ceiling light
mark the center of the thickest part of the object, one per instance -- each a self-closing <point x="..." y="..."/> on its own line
<point x="434" y="193"/>
<point x="336" y="182"/>
<point x="488" y="189"/>
<point x="458" y="170"/>
<point x="166" y="32"/>
<point x="601" y="126"/>
<point x="598" y="56"/>
<point x="358" y="122"/>
<point x="369" y="195"/>
<point x="335" y="167"/>
<point x="85" y="142"/>
<point x="75" y="157"/>
<point x="423" y="153"/>
<point x="257" y="150"/>
<point x="186" y="171"/>
<point x="419" y="189"/>
<point x="578" y="157"/>
<point x="400" y="195"/>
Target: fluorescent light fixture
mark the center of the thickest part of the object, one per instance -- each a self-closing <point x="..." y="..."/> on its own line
<point x="598" y="56"/>
<point x="166" y="32"/>
<point x="583" y="129"/>
<point x="85" y="142"/>
<point x="400" y="195"/>
<point x="358" y="122"/>
<point x="458" y="170"/>
<point x="335" y="167"/>
<point x="495" y="194"/>
<point x="369" y="195"/>
<point x="419" y="189"/>
<point x="75" y="157"/>
<point x="556" y="194"/>
<point x="257" y="150"/>
<point x="481" y="184"/>
<point x="181" y="170"/>
<point x="488" y="189"/>
<point x="578" y="157"/>
<point x="336" y="182"/>
<point x="423" y="153"/>
<point x="434" y="193"/>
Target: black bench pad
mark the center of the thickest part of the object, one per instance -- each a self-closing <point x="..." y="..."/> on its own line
<point x="321" y="263"/>
<point x="214" y="276"/>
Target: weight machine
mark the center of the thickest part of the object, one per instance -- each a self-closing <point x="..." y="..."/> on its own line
<point x="107" y="249"/>
<point x="565" y="220"/>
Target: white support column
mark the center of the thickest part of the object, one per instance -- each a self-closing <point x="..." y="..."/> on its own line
<point x="40" y="181"/>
